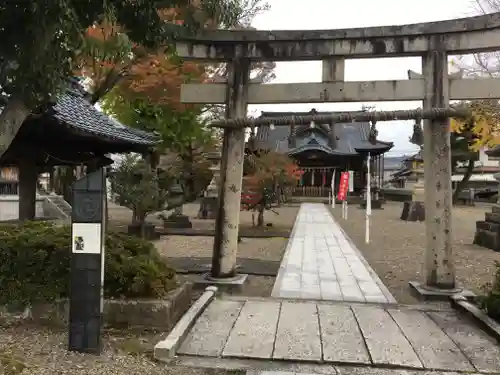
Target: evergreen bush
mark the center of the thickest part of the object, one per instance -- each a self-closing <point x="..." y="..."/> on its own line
<point x="35" y="265"/>
<point x="490" y="301"/>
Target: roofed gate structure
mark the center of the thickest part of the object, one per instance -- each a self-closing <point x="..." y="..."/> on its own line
<point x="433" y="42"/>
<point x="71" y="133"/>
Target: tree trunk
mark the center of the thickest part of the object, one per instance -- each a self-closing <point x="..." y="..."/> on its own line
<point x="11" y="120"/>
<point x="141" y="217"/>
<point x="112" y="78"/>
<point x="465" y="179"/>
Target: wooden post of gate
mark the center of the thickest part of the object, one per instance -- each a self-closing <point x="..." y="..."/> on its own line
<point x="233" y="148"/>
<point x="87" y="263"/>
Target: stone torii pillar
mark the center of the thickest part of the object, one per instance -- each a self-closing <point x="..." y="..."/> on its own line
<point x="233" y="149"/>
<point x="439" y="267"/>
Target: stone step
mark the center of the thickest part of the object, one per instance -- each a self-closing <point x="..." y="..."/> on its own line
<point x="487" y="239"/>
<point x="488" y="226"/>
<point x="492" y="217"/>
<point x="355" y="335"/>
<point x="496" y="209"/>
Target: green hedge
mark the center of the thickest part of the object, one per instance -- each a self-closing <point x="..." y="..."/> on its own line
<point x="490" y="301"/>
<point x="35" y="263"/>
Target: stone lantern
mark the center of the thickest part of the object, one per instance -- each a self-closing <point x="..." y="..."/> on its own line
<point x="177" y="219"/>
<point x="209" y="204"/>
<point x="415" y="209"/>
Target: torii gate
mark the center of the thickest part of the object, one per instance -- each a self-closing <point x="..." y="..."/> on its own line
<point x="433" y="42"/>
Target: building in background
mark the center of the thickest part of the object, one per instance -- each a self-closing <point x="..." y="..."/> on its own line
<point x="321" y="149"/>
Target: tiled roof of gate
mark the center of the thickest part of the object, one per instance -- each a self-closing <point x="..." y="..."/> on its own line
<point x="76" y="111"/>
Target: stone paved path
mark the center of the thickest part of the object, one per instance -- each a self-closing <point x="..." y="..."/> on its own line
<point x="384" y="336"/>
<point x="320" y="262"/>
<point x="319" y="320"/>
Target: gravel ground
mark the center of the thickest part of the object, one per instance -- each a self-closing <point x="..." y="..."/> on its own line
<point x="255" y="248"/>
<point x="43" y="352"/>
<point x="255" y="286"/>
<point x="282" y="219"/>
<point x="271" y="249"/>
<point x="396" y="248"/>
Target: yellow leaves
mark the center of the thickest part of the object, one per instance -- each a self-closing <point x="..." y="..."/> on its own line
<point x="456" y="125"/>
<point x="482" y="126"/>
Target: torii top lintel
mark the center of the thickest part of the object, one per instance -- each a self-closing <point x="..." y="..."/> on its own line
<point x="459" y="36"/>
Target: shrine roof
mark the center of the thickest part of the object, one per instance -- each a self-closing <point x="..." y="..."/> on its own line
<point x="73" y="109"/>
<point x="73" y="132"/>
<point x="419" y="156"/>
<point x="350" y="139"/>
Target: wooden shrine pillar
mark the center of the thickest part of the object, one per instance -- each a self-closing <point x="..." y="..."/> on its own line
<point x="439" y="269"/>
<point x="231" y="174"/>
<point x="28" y="178"/>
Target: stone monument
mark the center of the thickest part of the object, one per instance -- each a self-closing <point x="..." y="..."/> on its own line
<point x="488" y="230"/>
<point x="177" y="219"/>
<point x="208" y="206"/>
<point x="415" y="210"/>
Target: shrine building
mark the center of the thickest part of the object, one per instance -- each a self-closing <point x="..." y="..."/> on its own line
<point x="321" y="149"/>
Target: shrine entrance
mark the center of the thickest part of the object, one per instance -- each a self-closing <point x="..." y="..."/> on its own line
<point x="433" y="42"/>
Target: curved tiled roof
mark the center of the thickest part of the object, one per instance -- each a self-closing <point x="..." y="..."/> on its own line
<point x="350" y="138"/>
<point x="73" y="109"/>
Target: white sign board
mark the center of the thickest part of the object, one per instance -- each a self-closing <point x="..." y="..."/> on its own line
<point x="351" y="181"/>
<point x="86" y="238"/>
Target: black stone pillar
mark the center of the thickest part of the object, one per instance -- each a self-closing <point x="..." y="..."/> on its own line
<point x="87" y="263"/>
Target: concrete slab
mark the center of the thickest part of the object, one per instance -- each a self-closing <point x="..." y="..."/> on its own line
<point x="254" y="331"/>
<point x="165" y="349"/>
<point x="321" y="263"/>
<point x="481" y="350"/>
<point x="244" y="334"/>
<point x="384" y="339"/>
<point x="298" y="337"/>
<point x="210" y="333"/>
<point x="340" y="335"/>
<point x="435" y="348"/>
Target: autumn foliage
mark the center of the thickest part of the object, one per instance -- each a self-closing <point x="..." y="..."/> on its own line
<point x="109" y="59"/>
<point x="482" y="126"/>
<point x="266" y="175"/>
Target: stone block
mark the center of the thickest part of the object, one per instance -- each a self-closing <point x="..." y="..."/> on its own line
<point x="488" y="239"/>
<point x="488" y="226"/>
<point x="226" y="285"/>
<point x="148" y="232"/>
<point x="208" y="208"/>
<point x="492" y="217"/>
<point x="376" y="204"/>
<point x="178" y="221"/>
<point x="141" y="314"/>
<point x="413" y="211"/>
<point x="426" y="293"/>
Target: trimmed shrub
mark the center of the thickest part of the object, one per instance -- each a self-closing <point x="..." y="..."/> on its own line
<point x="490" y="301"/>
<point x="35" y="264"/>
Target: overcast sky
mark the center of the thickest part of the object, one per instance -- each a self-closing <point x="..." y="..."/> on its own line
<point x="336" y="14"/>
